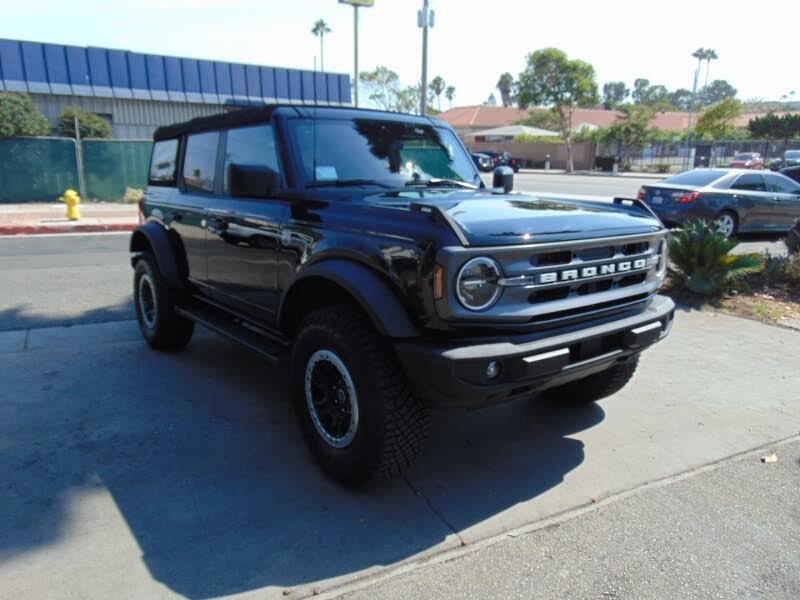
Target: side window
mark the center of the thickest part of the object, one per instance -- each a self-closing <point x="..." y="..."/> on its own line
<point x="163" y="162"/>
<point x="201" y="160"/>
<point x="252" y="146"/>
<point x="750" y="182"/>
<point x="780" y="185"/>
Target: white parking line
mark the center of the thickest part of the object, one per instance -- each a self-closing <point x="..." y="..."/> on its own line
<point x="65" y="234"/>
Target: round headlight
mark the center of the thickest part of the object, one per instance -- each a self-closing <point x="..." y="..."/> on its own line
<point x="476" y="286"/>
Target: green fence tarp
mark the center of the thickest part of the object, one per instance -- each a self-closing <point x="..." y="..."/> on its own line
<point x="40" y="169"/>
<point x="36" y="169"/>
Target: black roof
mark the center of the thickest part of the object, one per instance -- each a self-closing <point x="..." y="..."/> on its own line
<point x="259" y="114"/>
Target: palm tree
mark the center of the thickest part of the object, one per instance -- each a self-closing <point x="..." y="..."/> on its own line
<point x="710" y="55"/>
<point x="504" y="85"/>
<point x="450" y="93"/>
<point x="319" y="30"/>
<point x="437" y="87"/>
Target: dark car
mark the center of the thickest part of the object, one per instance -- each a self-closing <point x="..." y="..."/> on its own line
<point x="737" y="200"/>
<point x="792" y="173"/>
<point x="484" y="162"/>
<point x="503" y="159"/>
<point x="361" y="250"/>
<point x="790" y="159"/>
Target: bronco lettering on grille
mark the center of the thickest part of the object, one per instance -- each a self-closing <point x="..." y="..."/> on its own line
<point x="580" y="273"/>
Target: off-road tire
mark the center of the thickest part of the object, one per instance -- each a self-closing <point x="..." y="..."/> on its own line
<point x="162" y="328"/>
<point x="392" y="421"/>
<point x="596" y="387"/>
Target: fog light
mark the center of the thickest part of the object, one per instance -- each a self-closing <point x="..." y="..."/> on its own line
<point x="493" y="369"/>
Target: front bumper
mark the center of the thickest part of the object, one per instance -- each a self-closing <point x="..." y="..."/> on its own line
<point x="452" y="375"/>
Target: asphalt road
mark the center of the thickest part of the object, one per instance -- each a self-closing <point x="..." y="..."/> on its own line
<point x="62" y="280"/>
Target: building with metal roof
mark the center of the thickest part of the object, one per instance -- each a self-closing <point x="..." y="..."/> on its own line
<point x="136" y="93"/>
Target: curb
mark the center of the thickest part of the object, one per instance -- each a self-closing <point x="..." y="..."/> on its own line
<point x="36" y="229"/>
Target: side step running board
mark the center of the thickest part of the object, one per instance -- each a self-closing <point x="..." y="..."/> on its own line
<point x="236" y="330"/>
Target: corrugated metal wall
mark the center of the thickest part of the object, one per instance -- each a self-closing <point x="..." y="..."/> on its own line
<point x="130" y="119"/>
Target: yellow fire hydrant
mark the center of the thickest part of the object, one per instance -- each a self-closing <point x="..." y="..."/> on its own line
<point x="71" y="199"/>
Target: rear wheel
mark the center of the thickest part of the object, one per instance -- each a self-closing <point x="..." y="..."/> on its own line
<point x="726" y="223"/>
<point x="358" y="415"/>
<point x="596" y="387"/>
<point x="155" y="303"/>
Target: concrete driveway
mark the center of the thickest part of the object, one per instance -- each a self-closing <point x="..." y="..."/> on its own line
<point x="127" y="473"/>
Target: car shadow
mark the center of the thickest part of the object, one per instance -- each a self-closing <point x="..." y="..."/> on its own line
<point x="201" y="456"/>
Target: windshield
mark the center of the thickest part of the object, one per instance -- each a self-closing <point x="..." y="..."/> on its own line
<point x="793" y="154"/>
<point x="698" y="177"/>
<point x="385" y="152"/>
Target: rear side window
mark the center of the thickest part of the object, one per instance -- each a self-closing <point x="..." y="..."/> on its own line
<point x="252" y="146"/>
<point x="699" y="177"/>
<point x="163" y="162"/>
<point x="200" y="161"/>
<point x="749" y="182"/>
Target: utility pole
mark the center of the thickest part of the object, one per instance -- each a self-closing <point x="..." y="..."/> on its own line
<point x="356" y="4"/>
<point x="424" y="21"/>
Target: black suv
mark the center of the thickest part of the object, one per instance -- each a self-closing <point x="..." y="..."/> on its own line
<point x="361" y="247"/>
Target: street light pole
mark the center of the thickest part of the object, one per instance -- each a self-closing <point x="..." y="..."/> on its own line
<point x="689" y="122"/>
<point x="424" y="20"/>
<point x="355" y="54"/>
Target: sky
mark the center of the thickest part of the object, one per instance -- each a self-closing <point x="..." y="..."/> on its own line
<point x="471" y="44"/>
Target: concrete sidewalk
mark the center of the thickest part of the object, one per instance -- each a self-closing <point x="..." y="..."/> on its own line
<point x="50" y="217"/>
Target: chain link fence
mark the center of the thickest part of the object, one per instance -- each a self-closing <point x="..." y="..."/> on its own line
<point x="39" y="169"/>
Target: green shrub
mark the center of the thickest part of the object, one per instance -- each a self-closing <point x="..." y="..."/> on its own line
<point x="702" y="260"/>
<point x="662" y="167"/>
<point x="604" y="163"/>
<point x="132" y="195"/>
<point x="90" y="124"/>
<point x="19" y="116"/>
<point x="792" y="241"/>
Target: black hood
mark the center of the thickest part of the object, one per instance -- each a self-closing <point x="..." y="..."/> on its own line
<point x="488" y="219"/>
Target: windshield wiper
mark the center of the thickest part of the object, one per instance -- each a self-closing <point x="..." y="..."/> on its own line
<point x="346" y="182"/>
<point x="433" y="182"/>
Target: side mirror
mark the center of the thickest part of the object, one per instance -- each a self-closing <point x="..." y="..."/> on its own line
<point x="252" y="181"/>
<point x="504" y="179"/>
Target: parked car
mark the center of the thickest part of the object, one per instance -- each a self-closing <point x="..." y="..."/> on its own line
<point x="362" y="250"/>
<point x="792" y="173"/>
<point x="747" y="160"/>
<point x="503" y="159"/>
<point x="790" y="159"/>
<point x="482" y="161"/>
<point x="737" y="200"/>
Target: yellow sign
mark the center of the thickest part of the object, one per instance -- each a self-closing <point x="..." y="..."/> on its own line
<point x="358" y="2"/>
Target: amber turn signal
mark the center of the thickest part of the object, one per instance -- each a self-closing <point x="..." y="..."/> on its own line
<point x="438" y="282"/>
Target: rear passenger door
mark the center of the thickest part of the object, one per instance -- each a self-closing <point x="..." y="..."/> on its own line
<point x="788" y="194"/>
<point x="243" y="234"/>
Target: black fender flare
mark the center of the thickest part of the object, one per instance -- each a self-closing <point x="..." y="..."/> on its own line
<point x="372" y="293"/>
<point x="154" y="236"/>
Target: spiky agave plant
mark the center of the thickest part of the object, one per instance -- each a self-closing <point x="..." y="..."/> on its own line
<point x="702" y="260"/>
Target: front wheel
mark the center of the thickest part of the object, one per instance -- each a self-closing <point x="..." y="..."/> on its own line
<point x="596" y="387"/>
<point x="358" y="415"/>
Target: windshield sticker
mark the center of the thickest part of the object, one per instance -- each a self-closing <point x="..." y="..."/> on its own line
<point x="326" y="173"/>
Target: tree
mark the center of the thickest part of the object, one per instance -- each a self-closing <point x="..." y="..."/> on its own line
<point x="717" y="90"/>
<point x="542" y="119"/>
<point x="505" y="85"/>
<point x="552" y="79"/>
<point x="90" y="124"/>
<point x="491" y="100"/>
<point x="681" y="99"/>
<point x="450" y="93"/>
<point x="437" y="87"/>
<point x="614" y="94"/>
<point x="774" y="127"/>
<point x="718" y="121"/>
<point x="319" y="30"/>
<point x="640" y="87"/>
<point x="630" y="131"/>
<point x="382" y="86"/>
<point x="19" y="116"/>
<point x="710" y="54"/>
